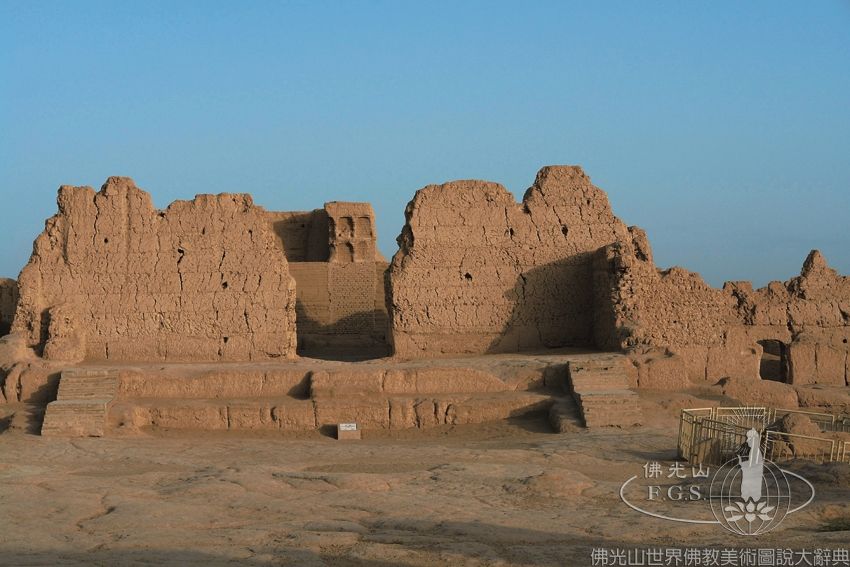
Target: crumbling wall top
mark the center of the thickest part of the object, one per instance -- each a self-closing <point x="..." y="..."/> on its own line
<point x="478" y="272"/>
<point x="200" y="280"/>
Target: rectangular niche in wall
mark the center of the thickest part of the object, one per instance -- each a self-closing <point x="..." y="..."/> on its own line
<point x="774" y="361"/>
<point x="345" y="227"/>
<point x="363" y="227"/>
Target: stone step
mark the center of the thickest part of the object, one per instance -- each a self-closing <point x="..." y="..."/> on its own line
<point x="81" y="405"/>
<point x="586" y="375"/>
<point x="599" y="399"/>
<point x="597" y="414"/>
<point x="589" y="381"/>
<point x="625" y="412"/>
<point x="459" y="409"/>
<point x="214" y="414"/>
<point x="606" y="396"/>
<point x="608" y="370"/>
<point x="425" y="381"/>
<point x="368" y="411"/>
<point x="599" y="411"/>
<point x="75" y="418"/>
<point x="598" y="364"/>
<point x="81" y="387"/>
<point x="601" y="389"/>
<point x="216" y="382"/>
<point x="326" y="383"/>
<point x="619" y="406"/>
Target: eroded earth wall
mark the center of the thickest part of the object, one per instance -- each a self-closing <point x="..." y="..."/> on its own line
<point x="112" y="278"/>
<point x="678" y="329"/>
<point x="339" y="276"/>
<point x="8" y="303"/>
<point x="303" y="235"/>
<point x="478" y="272"/>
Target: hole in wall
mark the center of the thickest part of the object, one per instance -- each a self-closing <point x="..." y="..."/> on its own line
<point x="106" y="241"/>
<point x="224" y="285"/>
<point x="564" y="230"/>
<point x="467" y="276"/>
<point x="774" y="361"/>
<point x="226" y="339"/>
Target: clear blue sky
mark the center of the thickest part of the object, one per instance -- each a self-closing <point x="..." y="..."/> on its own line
<point x="722" y="128"/>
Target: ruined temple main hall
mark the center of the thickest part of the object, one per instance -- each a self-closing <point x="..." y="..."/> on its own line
<point x="264" y="315"/>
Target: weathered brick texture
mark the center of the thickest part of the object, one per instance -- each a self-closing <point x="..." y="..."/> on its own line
<point x="112" y="278"/>
<point x="478" y="272"/>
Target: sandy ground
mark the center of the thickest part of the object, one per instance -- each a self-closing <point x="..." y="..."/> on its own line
<point x="494" y="494"/>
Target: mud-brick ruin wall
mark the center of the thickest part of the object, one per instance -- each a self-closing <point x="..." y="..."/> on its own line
<point x="675" y="325"/>
<point x="477" y="272"/>
<point x="302" y="235"/>
<point x="666" y="314"/>
<point x="811" y="312"/>
<point x="112" y="278"/>
<point x="8" y="304"/>
<point x="339" y="275"/>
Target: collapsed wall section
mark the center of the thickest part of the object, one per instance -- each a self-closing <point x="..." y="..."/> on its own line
<point x="477" y="272"/>
<point x="679" y="328"/>
<point x="112" y="278"/>
<point x="814" y="309"/>
<point x="8" y="304"/>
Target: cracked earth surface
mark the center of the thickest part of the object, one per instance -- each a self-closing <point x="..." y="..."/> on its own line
<point x="492" y="494"/>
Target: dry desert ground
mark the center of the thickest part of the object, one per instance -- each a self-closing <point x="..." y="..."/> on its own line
<point x="506" y="493"/>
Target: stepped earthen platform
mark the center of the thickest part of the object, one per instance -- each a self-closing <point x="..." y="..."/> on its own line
<point x="82" y="404"/>
<point x="308" y="394"/>
<point x="601" y="389"/>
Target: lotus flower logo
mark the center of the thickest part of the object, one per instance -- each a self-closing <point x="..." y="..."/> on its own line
<point x="749" y="511"/>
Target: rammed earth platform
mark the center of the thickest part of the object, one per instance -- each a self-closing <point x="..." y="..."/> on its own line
<point x="315" y="394"/>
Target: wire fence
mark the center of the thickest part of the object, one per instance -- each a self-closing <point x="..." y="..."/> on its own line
<point x="716" y="435"/>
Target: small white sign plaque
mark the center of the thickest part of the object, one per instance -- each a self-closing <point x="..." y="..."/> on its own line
<point x="347" y="427"/>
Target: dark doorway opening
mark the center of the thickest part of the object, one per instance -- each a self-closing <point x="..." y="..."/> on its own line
<point x="774" y="361"/>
